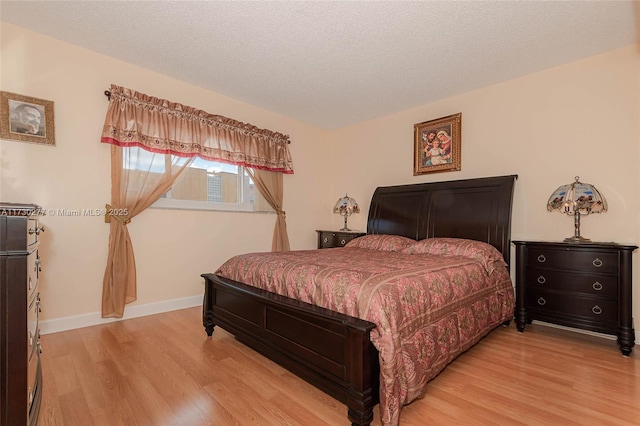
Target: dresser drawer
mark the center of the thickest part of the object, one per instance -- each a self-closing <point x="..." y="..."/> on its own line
<point x="33" y="331"/>
<point x="596" y="309"/>
<point x="32" y="374"/>
<point x="33" y="272"/>
<point x="587" y="261"/>
<point x="605" y="286"/>
<point x="33" y="231"/>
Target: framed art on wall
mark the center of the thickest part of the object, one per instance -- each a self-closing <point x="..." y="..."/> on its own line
<point x="437" y="145"/>
<point x="26" y="119"/>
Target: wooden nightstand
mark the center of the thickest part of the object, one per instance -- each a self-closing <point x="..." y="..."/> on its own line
<point x="586" y="286"/>
<point x="330" y="239"/>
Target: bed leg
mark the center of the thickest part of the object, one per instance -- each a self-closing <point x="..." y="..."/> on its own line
<point x="521" y="319"/>
<point x="207" y="322"/>
<point x="207" y="306"/>
<point x="360" y="418"/>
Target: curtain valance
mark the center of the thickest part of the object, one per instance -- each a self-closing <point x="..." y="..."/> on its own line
<point x="161" y="126"/>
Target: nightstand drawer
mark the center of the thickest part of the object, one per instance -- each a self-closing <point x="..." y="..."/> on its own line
<point x="587" y="261"/>
<point x="600" y="310"/>
<point x="326" y="240"/>
<point x="331" y="239"/>
<point x="604" y="286"/>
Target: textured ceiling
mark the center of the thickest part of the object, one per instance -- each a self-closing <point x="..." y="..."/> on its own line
<point x="333" y="64"/>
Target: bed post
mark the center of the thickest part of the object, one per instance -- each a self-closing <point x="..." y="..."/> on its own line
<point x="363" y="378"/>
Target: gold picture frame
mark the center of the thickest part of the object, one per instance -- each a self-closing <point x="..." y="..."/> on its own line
<point x="26" y="119"/>
<point x="437" y="145"/>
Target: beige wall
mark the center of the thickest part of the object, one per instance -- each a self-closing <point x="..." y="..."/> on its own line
<point x="580" y="119"/>
<point x="172" y="247"/>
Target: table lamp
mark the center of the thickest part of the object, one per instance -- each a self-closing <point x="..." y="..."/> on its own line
<point x="577" y="199"/>
<point x="346" y="206"/>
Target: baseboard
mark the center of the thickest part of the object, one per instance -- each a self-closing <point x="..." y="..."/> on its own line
<point x="590" y="333"/>
<point x="131" y="311"/>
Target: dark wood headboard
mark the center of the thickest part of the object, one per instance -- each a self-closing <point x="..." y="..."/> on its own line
<point x="477" y="209"/>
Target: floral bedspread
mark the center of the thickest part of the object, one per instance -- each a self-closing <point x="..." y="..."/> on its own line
<point x="427" y="308"/>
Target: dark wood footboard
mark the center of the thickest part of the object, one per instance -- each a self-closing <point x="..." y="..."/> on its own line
<point x="330" y="350"/>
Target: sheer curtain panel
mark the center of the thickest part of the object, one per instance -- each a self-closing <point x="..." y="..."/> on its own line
<point x="271" y="188"/>
<point x="169" y="136"/>
<point x="136" y="183"/>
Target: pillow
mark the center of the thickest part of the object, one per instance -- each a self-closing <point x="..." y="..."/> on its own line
<point x="381" y="242"/>
<point x="486" y="254"/>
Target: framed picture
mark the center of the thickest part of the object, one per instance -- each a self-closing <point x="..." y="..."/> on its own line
<point x="26" y="119"/>
<point x="437" y="145"/>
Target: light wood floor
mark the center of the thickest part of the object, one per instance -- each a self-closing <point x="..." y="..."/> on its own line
<point x="163" y="370"/>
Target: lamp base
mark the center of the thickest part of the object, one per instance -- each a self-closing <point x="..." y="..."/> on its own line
<point x="577" y="239"/>
<point x="345" y="227"/>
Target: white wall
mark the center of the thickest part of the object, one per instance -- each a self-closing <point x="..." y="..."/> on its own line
<point x="582" y="119"/>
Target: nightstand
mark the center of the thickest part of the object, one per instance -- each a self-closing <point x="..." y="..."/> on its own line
<point x="581" y="285"/>
<point x="330" y="239"/>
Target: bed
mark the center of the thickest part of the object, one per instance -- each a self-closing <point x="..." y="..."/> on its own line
<point x="335" y="349"/>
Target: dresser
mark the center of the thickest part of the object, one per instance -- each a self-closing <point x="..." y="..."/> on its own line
<point x="580" y="285"/>
<point x="331" y="239"/>
<point x="20" y="372"/>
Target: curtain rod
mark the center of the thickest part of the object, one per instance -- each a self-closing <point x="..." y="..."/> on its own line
<point x="107" y="93"/>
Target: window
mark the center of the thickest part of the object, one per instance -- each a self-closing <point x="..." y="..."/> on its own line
<point x="205" y="185"/>
<point x="211" y="185"/>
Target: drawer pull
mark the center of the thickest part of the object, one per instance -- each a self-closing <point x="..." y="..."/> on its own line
<point x="38" y="266"/>
<point x="325" y="240"/>
<point x="597" y="262"/>
<point x="541" y="301"/>
<point x="30" y="283"/>
<point x="343" y="242"/>
<point x="596" y="310"/>
<point x="597" y="286"/>
<point x="542" y="259"/>
<point x="39" y="347"/>
<point x="37" y="230"/>
<point x="541" y="279"/>
<point x="30" y="395"/>
<point x="30" y="339"/>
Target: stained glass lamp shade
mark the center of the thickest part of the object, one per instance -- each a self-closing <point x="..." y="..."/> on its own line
<point x="577" y="199"/>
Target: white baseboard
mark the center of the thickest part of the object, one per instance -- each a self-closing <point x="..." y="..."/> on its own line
<point x="590" y="333"/>
<point x="131" y="311"/>
<point x="134" y="311"/>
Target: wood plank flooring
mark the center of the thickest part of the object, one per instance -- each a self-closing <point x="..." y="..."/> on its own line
<point x="164" y="370"/>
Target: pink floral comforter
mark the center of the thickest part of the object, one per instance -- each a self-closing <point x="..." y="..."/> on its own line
<point x="428" y="308"/>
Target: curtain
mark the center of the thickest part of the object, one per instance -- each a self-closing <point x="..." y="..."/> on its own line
<point x="138" y="179"/>
<point x="271" y="188"/>
<point x="171" y="135"/>
<point x="158" y="125"/>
